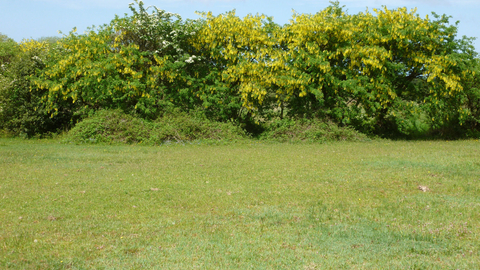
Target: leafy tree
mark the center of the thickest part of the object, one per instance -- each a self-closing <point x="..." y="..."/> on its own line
<point x="180" y="74"/>
<point x="8" y="49"/>
<point x="390" y="71"/>
<point x="142" y="63"/>
<point x="380" y="70"/>
<point x="245" y="57"/>
<point x="22" y="110"/>
<point x="471" y="99"/>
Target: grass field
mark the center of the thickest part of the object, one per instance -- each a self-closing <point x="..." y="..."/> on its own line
<point x="248" y="205"/>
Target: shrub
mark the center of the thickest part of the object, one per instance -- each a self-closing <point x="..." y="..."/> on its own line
<point x="114" y="126"/>
<point x="22" y="110"/>
<point x="472" y="100"/>
<point x="8" y="50"/>
<point x="309" y="130"/>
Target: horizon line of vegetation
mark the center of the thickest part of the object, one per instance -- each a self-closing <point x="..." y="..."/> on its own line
<point x="389" y="73"/>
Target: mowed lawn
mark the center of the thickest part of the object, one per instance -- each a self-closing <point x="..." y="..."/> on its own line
<point x="249" y="205"/>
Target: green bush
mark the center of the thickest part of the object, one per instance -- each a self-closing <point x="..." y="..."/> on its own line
<point x="8" y="49"/>
<point x="114" y="126"/>
<point x="472" y="100"/>
<point x="22" y="109"/>
<point x="309" y="130"/>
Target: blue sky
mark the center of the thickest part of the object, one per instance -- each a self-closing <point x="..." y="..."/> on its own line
<point x="21" y="19"/>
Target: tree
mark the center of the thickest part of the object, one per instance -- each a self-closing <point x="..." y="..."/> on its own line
<point x="143" y="63"/>
<point x="8" y="49"/>
<point x="22" y="110"/>
<point x="387" y="72"/>
<point x="471" y="99"/>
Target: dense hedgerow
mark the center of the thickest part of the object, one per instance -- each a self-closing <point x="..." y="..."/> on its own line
<point x="387" y="72"/>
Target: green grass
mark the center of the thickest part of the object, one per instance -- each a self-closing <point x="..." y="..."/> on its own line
<point x="240" y="206"/>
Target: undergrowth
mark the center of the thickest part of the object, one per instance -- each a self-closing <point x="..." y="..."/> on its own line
<point x="309" y="130"/>
<point x="114" y="126"/>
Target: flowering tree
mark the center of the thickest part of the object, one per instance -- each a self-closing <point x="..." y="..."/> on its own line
<point x="8" y="49"/>
<point x="22" y="110"/>
<point x="389" y="69"/>
<point x="140" y="63"/>
<point x="387" y="72"/>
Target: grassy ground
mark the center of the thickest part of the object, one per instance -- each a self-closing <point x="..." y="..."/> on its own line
<point x="245" y="206"/>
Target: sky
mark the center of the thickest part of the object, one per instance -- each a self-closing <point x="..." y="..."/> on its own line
<point x="25" y="19"/>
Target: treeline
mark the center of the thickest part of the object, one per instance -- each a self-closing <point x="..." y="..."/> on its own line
<point x="389" y="73"/>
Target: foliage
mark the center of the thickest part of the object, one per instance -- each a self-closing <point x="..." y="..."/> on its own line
<point x="309" y="130"/>
<point x="114" y="126"/>
<point x="22" y="111"/>
<point x="386" y="72"/>
<point x="87" y="73"/>
<point x="8" y="49"/>
<point x="372" y="71"/>
<point x="141" y="63"/>
<point x="472" y="97"/>
<point x="242" y="51"/>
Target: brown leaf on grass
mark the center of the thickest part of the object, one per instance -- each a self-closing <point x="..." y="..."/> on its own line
<point x="52" y="218"/>
<point x="83" y="191"/>
<point x="423" y="188"/>
<point x="154" y="189"/>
